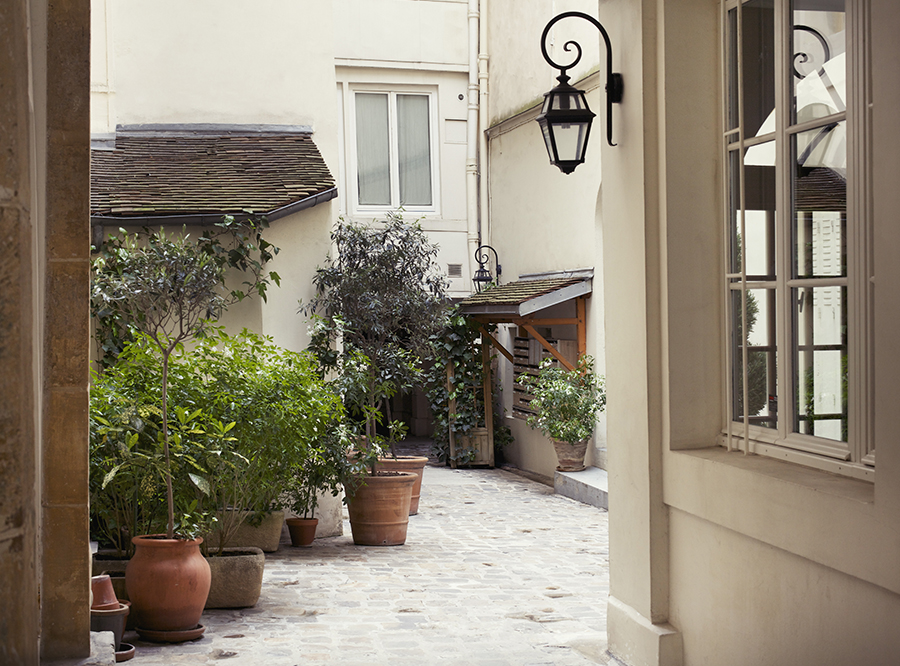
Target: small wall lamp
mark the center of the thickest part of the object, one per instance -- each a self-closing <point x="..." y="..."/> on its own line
<point x="565" y="118"/>
<point x="483" y="277"/>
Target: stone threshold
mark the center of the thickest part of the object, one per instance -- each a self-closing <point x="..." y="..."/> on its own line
<point x="589" y="486"/>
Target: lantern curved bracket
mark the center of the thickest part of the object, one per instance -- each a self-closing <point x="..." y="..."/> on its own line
<point x="614" y="85"/>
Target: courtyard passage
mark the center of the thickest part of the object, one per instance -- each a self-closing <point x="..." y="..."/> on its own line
<point x="497" y="569"/>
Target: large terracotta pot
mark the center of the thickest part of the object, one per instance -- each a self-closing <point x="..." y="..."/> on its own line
<point x="570" y="455"/>
<point x="379" y="510"/>
<point x="168" y="582"/>
<point x="414" y="464"/>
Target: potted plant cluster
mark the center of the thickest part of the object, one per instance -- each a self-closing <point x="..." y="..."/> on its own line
<point x="565" y="405"/>
<point x="162" y="291"/>
<point x="382" y="295"/>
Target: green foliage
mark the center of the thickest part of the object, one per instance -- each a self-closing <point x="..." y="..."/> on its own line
<point x="566" y="402"/>
<point x="168" y="288"/>
<point x="128" y="469"/>
<point x="247" y="417"/>
<point x="116" y="271"/>
<point x="456" y="344"/>
<point x="382" y="295"/>
<point x="283" y="411"/>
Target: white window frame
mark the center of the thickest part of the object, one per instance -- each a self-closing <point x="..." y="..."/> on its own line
<point x="352" y="182"/>
<point x="856" y="457"/>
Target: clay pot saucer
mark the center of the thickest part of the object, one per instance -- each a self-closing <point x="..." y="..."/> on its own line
<point x="177" y="636"/>
<point x="125" y="652"/>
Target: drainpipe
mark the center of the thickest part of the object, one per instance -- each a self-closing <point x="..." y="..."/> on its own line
<point x="483" y="120"/>
<point x="472" y="137"/>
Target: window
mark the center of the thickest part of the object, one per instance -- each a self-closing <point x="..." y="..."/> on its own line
<point x="797" y="235"/>
<point x="394" y="161"/>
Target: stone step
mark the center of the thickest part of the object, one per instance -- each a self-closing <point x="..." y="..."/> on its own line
<point x="589" y="486"/>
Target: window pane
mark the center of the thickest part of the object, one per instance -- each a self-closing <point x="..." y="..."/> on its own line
<point x="758" y="54"/>
<point x="762" y="376"/>
<point x="734" y="212"/>
<point x="759" y="222"/>
<point x="820" y="202"/>
<point x="820" y="375"/>
<point x="373" y="149"/>
<point x="414" y="150"/>
<point x="818" y="67"/>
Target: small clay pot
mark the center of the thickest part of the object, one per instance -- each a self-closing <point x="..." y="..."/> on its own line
<point x="303" y="530"/>
<point x="110" y="620"/>
<point x="104" y="594"/>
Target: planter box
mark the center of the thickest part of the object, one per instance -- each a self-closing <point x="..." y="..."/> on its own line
<point x="265" y="537"/>
<point x="478" y="440"/>
<point x="236" y="578"/>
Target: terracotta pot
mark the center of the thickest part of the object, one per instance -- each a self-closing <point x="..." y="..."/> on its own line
<point x="168" y="582"/>
<point x="112" y="619"/>
<point x="104" y="596"/>
<point x="570" y="455"/>
<point x="379" y="510"/>
<point x="414" y="464"/>
<point x="303" y="530"/>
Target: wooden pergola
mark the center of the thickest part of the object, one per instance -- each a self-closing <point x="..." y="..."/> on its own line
<point x="521" y="303"/>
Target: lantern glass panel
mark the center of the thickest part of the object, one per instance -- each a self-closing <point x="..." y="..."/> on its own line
<point x="570" y="140"/>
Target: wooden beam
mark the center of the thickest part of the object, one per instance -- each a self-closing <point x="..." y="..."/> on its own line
<point x="550" y="348"/>
<point x="581" y="326"/>
<point x="558" y="321"/>
<point x="488" y="399"/>
<point x="499" y="347"/>
<point x="451" y="409"/>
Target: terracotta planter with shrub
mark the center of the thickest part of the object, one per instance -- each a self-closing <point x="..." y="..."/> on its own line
<point x="570" y="455"/>
<point x="379" y="509"/>
<point x="302" y="530"/>
<point x="168" y="583"/>
<point x="414" y="464"/>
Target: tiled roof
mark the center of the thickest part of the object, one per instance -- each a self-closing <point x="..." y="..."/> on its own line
<point x="160" y="173"/>
<point x="820" y="189"/>
<point x="515" y="300"/>
<point x="516" y="293"/>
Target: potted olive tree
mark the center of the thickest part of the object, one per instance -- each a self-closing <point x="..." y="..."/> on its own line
<point x="565" y="405"/>
<point x="383" y="295"/>
<point x="165" y="289"/>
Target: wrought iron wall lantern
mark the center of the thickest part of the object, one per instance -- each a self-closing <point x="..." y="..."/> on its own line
<point x="565" y="118"/>
<point x="483" y="277"/>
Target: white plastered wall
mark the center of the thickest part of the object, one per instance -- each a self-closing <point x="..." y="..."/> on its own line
<point x="719" y="558"/>
<point x="541" y="219"/>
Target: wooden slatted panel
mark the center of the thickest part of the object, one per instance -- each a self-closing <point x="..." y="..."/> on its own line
<point x="529" y="354"/>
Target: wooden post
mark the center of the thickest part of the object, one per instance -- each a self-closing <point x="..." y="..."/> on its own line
<point x="488" y="397"/>
<point x="451" y="410"/>
<point x="581" y="326"/>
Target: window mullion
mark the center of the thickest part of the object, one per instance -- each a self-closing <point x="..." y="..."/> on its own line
<point x="859" y="242"/>
<point x="393" y="133"/>
<point x="784" y="323"/>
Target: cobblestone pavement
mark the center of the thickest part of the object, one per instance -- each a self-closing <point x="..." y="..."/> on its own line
<point x="496" y="570"/>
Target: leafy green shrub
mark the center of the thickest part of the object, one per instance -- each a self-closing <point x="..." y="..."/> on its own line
<point x="566" y="402"/>
<point x="247" y="416"/>
<point x="382" y="295"/>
